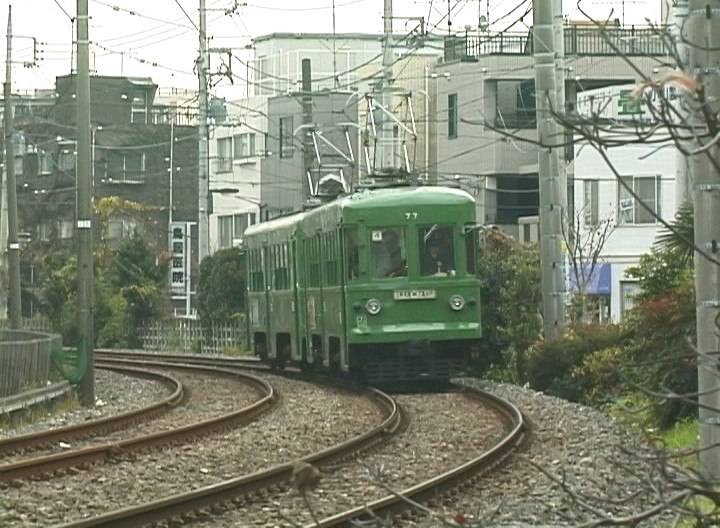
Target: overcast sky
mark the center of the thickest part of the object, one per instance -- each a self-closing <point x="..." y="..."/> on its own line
<point x="158" y="38"/>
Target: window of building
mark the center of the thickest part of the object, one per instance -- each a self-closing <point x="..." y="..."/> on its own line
<point x="139" y="108"/>
<point x="647" y="189"/>
<point x="126" y="167"/>
<point x="590" y="202"/>
<point x="628" y="291"/>
<point x="244" y="145"/>
<point x="43" y="231"/>
<point x="44" y="163"/>
<point x="66" y="159"/>
<point x="515" y="104"/>
<point x="224" y="155"/>
<point x="452" y="116"/>
<point x="389" y="258"/>
<point x="65" y="229"/>
<point x="225" y="233"/>
<point x="241" y="223"/>
<point x="286" y="137"/>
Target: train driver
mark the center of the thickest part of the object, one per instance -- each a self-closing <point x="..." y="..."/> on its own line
<point x="435" y="260"/>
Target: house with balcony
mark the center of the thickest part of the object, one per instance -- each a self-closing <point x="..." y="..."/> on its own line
<point x="486" y="122"/>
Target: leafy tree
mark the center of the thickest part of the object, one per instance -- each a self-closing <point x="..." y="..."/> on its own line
<point x="221" y="288"/>
<point x="510" y="300"/>
<point x="139" y="280"/>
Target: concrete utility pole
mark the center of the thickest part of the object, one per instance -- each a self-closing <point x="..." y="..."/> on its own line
<point x="307" y="141"/>
<point x="12" y="242"/>
<point x="386" y="126"/>
<point x="553" y="184"/>
<point x="702" y="34"/>
<point x="83" y="208"/>
<point x="203" y="169"/>
<point x="678" y="18"/>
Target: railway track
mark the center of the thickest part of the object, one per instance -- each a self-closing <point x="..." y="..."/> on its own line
<point x="95" y="454"/>
<point x="243" y="490"/>
<point x="239" y="491"/>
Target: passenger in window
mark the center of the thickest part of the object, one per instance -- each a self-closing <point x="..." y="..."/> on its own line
<point x="387" y="256"/>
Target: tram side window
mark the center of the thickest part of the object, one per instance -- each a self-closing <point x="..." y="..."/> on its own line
<point x="257" y="280"/>
<point x="471" y="247"/>
<point x="437" y="253"/>
<point x="314" y="261"/>
<point x="282" y="279"/>
<point x="389" y="258"/>
<point x="331" y="259"/>
<point x="352" y="253"/>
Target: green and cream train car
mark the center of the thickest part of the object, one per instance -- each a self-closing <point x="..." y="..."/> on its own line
<point x="379" y="284"/>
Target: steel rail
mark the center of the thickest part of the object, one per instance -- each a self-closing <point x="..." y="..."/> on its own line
<point x="248" y="362"/>
<point x="186" y="504"/>
<point x="398" y="502"/>
<point x="101" y="425"/>
<point x="82" y="457"/>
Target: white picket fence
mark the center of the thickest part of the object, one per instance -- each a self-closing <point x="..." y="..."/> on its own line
<point x="189" y="336"/>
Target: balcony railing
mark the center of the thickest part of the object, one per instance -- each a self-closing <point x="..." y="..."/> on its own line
<point x="579" y="40"/>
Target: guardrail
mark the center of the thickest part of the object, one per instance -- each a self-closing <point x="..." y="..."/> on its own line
<point x="25" y="359"/>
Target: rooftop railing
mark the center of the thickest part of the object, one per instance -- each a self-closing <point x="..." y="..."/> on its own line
<point x="579" y="40"/>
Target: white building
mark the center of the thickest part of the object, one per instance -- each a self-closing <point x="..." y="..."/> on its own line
<point x="599" y="196"/>
<point x="236" y="148"/>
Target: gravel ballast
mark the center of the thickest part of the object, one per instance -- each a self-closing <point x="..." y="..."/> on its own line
<point x="583" y="446"/>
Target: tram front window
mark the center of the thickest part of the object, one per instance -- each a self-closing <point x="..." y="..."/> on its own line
<point x="388" y="253"/>
<point x="436" y="251"/>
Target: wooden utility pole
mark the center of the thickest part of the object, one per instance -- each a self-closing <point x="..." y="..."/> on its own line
<point x="551" y="173"/>
<point x="84" y="231"/>
<point x="13" y="245"/>
<point x="702" y="34"/>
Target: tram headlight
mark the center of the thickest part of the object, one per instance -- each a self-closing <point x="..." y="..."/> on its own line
<point x="373" y="306"/>
<point x="457" y="302"/>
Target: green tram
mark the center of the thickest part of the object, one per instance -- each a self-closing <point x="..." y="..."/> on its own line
<point x="379" y="284"/>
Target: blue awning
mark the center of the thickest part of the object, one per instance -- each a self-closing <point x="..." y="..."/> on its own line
<point x="600" y="281"/>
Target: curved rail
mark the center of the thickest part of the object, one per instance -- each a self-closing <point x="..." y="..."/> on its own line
<point x="245" y="362"/>
<point x="232" y="490"/>
<point x="397" y="503"/>
<point x="102" y="425"/>
<point x="105" y="452"/>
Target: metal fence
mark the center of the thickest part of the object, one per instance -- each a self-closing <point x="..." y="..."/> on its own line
<point x="25" y="359"/>
<point x="190" y="336"/>
<point x="593" y="41"/>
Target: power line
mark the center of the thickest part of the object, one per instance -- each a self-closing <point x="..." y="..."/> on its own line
<point x="186" y="14"/>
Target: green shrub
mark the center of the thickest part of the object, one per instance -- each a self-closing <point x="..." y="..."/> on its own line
<point x="553" y="366"/>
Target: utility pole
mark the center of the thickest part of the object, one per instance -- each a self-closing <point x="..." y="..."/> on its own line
<point x="203" y="169"/>
<point x="702" y="34"/>
<point x="307" y="110"/>
<point x="83" y="208"/>
<point x="552" y="183"/>
<point x="12" y="242"/>
<point x="678" y="18"/>
<point x="386" y="132"/>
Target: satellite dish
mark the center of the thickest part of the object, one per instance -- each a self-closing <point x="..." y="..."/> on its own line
<point x="483" y="23"/>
